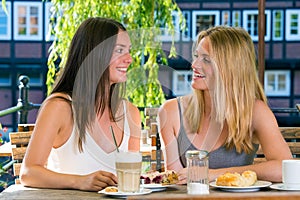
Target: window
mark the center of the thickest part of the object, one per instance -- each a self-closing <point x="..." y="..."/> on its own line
<point x="236" y="18"/>
<point x="186" y="34"/>
<point x="5" y="78"/>
<point x="28" y="21"/>
<point x="250" y="23"/>
<point x="5" y="23"/>
<point x="182" y="82"/>
<point x="48" y="19"/>
<point x="292" y="25"/>
<point x="277" y="25"/>
<point x="226" y="18"/>
<point x="166" y="35"/>
<point x="29" y="66"/>
<point x="4" y="66"/>
<point x="277" y="82"/>
<point x="203" y="20"/>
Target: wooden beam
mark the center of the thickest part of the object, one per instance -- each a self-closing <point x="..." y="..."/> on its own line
<point x="261" y="40"/>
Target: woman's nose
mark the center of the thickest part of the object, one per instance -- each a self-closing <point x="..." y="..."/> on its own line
<point x="195" y="65"/>
<point x="128" y="58"/>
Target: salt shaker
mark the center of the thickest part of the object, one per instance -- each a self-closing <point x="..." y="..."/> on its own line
<point x="197" y="177"/>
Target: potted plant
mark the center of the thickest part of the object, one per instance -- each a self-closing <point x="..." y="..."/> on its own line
<point x="6" y="177"/>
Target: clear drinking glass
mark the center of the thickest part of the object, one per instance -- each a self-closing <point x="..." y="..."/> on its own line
<point x="197" y="177"/>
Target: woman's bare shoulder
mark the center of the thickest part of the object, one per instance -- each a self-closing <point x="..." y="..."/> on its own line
<point x="168" y="111"/>
<point x="263" y="118"/>
<point x="131" y="106"/>
<point x="169" y="105"/>
<point x="56" y="103"/>
<point x="172" y="104"/>
<point x="261" y="108"/>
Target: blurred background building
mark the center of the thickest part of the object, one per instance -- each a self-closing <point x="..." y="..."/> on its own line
<point x="24" y="45"/>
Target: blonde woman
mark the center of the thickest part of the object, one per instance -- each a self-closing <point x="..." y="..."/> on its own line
<point x="227" y="114"/>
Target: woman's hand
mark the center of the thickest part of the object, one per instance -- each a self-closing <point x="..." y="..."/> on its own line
<point x="97" y="181"/>
<point x="182" y="176"/>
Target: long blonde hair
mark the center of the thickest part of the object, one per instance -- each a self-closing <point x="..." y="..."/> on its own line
<point x="236" y="86"/>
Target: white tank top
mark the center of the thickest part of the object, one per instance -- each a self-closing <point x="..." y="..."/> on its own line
<point x="67" y="158"/>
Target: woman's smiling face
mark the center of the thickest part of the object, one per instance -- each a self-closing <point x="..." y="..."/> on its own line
<point x="121" y="58"/>
<point x="202" y="66"/>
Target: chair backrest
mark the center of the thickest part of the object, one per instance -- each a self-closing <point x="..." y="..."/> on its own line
<point x="150" y="116"/>
<point x="19" y="141"/>
<point x="291" y="136"/>
<point x="151" y="124"/>
<point x="25" y="127"/>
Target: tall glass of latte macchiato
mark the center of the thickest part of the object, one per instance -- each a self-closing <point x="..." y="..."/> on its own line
<point x="128" y="167"/>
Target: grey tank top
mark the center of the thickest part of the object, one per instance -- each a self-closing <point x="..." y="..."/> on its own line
<point x="219" y="158"/>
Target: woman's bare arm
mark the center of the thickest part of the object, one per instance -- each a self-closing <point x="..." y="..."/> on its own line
<point x="169" y="122"/>
<point x="273" y="145"/>
<point x="53" y="127"/>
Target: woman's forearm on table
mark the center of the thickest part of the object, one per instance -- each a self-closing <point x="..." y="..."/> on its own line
<point x="41" y="177"/>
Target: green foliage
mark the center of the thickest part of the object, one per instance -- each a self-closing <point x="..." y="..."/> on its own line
<point x="142" y="18"/>
<point x="4" y="6"/>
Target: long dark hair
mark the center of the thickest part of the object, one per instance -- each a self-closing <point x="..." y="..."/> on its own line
<point x="85" y="76"/>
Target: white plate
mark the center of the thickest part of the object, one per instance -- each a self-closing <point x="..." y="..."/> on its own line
<point x="258" y="185"/>
<point x="279" y="186"/>
<point x="125" y="194"/>
<point x="155" y="187"/>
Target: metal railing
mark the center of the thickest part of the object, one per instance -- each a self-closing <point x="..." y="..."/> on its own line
<point x="287" y="110"/>
<point x="23" y="105"/>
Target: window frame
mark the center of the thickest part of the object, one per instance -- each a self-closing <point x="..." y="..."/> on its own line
<point x="48" y="36"/>
<point x="5" y="79"/>
<point x="223" y="13"/>
<point x="274" y="25"/>
<point x="216" y="13"/>
<point x="268" y="27"/>
<point x="7" y="36"/>
<point x="166" y="37"/>
<point x="236" y="22"/>
<point x="186" y="35"/>
<point x="276" y="73"/>
<point x="187" y="89"/>
<point x="28" y="36"/>
<point x="288" y="36"/>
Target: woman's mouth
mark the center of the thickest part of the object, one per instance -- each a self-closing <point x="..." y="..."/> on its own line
<point x="122" y="69"/>
<point x="198" y="75"/>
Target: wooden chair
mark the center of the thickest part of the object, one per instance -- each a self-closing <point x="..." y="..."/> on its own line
<point x="150" y="116"/>
<point x="292" y="137"/>
<point x="151" y="124"/>
<point x="25" y="127"/>
<point x="19" y="141"/>
<point x="298" y="107"/>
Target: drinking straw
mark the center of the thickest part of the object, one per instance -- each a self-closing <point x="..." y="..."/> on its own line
<point x="113" y="134"/>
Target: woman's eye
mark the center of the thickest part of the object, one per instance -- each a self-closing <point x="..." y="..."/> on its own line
<point x="207" y="60"/>
<point x="119" y="50"/>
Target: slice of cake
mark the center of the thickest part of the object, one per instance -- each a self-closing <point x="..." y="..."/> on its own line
<point x="169" y="178"/>
<point x="165" y="178"/>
